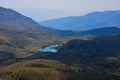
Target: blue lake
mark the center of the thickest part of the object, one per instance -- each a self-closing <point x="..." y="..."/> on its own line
<point x="49" y="49"/>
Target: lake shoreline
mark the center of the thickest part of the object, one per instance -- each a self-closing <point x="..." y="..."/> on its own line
<point x="51" y="49"/>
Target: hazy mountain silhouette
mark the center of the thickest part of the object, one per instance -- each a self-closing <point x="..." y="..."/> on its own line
<point x="86" y="22"/>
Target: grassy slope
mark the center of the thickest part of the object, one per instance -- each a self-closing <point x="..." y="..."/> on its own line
<point x="34" y="70"/>
<point x="48" y="70"/>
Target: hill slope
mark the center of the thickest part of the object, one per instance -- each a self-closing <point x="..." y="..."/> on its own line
<point x="17" y="32"/>
<point x="90" y="52"/>
<point x="86" y="22"/>
<point x="11" y="20"/>
<point x="43" y="70"/>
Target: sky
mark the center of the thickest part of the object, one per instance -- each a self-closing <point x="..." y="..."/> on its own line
<point x="59" y="8"/>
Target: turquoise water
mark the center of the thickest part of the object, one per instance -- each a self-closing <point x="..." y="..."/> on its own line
<point x="48" y="49"/>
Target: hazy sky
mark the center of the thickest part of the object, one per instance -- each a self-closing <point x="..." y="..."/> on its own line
<point x="74" y="7"/>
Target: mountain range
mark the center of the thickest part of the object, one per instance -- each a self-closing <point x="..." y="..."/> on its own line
<point x="22" y="36"/>
<point x="19" y="34"/>
<point x="13" y="21"/>
<point x="86" y="22"/>
<point x="82" y="55"/>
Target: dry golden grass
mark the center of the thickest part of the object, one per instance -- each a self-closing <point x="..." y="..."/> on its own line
<point x="46" y="70"/>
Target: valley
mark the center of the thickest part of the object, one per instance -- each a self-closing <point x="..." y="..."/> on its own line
<point x="30" y="51"/>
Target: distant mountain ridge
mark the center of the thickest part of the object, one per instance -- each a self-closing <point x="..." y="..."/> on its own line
<point x="102" y="31"/>
<point x="98" y="32"/>
<point x="13" y="21"/>
<point x="86" y="22"/>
